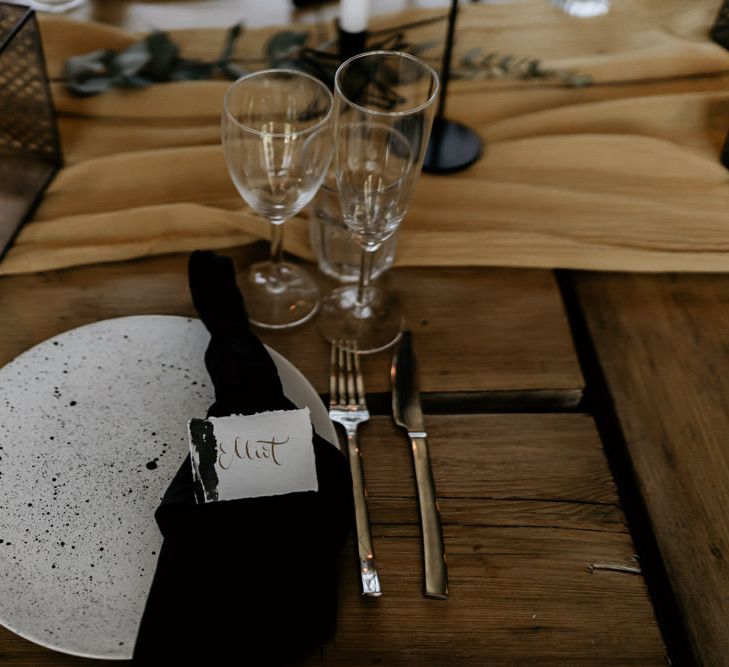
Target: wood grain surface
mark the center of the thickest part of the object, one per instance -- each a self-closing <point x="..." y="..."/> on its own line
<point x="492" y="335"/>
<point x="663" y="345"/>
<point x="528" y="504"/>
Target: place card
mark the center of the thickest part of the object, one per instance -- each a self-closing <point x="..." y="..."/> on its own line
<point x="250" y="456"/>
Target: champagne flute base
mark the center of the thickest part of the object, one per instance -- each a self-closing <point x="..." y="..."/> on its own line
<point x="375" y="324"/>
<point x="280" y="295"/>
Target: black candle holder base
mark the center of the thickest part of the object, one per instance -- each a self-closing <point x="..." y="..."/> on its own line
<point x="452" y="147"/>
<point x="351" y="43"/>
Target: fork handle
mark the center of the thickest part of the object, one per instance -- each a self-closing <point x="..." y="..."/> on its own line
<point x="436" y="575"/>
<point x="365" y="551"/>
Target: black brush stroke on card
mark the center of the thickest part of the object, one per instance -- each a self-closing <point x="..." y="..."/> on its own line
<point x="205" y="479"/>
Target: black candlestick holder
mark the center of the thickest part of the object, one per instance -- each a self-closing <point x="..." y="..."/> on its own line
<point x="350" y="43"/>
<point x="453" y="146"/>
<point x="30" y="152"/>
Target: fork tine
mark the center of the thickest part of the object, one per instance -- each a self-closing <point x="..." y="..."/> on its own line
<point x="358" y="376"/>
<point x="342" y="381"/>
<point x="351" y="398"/>
<point x="333" y="376"/>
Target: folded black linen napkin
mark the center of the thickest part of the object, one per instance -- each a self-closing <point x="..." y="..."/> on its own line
<point x="245" y="582"/>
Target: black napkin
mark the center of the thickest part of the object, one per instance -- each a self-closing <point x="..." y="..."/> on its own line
<point x="250" y="582"/>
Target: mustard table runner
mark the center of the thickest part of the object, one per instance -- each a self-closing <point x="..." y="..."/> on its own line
<point x="620" y="175"/>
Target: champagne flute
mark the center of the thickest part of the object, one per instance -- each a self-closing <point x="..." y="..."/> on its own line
<point x="277" y="140"/>
<point x="383" y="112"/>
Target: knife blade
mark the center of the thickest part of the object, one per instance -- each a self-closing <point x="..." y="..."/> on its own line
<point x="408" y="414"/>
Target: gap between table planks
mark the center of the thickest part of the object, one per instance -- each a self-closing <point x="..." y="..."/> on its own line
<point x="662" y="345"/>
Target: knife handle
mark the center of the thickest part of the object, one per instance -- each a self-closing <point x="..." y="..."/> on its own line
<point x="370" y="580"/>
<point x="436" y="575"/>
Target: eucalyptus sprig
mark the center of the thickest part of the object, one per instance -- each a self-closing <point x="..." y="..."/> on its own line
<point x="290" y="49"/>
<point x="154" y="59"/>
<point x="476" y="64"/>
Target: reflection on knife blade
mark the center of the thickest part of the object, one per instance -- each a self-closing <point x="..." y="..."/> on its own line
<point x="408" y="414"/>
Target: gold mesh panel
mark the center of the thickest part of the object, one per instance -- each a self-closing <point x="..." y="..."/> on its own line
<point x="26" y="116"/>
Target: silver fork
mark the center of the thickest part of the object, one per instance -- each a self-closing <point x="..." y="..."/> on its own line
<point x="347" y="407"/>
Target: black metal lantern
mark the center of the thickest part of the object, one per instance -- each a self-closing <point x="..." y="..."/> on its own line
<point x="30" y="152"/>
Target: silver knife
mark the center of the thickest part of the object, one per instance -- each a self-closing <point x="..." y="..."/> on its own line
<point x="408" y="414"/>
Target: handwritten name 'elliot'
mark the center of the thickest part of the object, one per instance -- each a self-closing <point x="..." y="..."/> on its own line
<point x="264" y="451"/>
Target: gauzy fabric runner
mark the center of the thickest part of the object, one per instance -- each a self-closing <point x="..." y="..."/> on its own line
<point x="254" y="581"/>
<point x="620" y="175"/>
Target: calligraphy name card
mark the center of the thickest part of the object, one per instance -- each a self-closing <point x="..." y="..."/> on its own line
<point x="249" y="456"/>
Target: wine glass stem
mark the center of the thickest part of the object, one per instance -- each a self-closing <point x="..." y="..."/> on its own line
<point x="365" y="270"/>
<point x="277" y="236"/>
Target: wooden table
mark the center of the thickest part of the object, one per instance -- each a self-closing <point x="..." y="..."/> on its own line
<point x="525" y="451"/>
<point x="660" y="346"/>
<point x="528" y="502"/>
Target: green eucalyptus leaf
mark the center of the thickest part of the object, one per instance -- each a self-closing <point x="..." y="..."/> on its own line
<point x="163" y="56"/>
<point x="90" y="86"/>
<point x="293" y="63"/>
<point x="533" y="68"/>
<point x="231" y="70"/>
<point x="471" y="57"/>
<point x="228" y="68"/>
<point x="283" y="45"/>
<point x="131" y="81"/>
<point x="505" y="62"/>
<point x="132" y="60"/>
<point x="323" y="66"/>
<point x="191" y="70"/>
<point x="92" y="64"/>
<point x="230" y="40"/>
<point x="579" y="80"/>
<point x="417" y="49"/>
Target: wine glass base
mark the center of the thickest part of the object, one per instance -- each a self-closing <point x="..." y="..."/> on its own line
<point x="278" y="296"/>
<point x="375" y="325"/>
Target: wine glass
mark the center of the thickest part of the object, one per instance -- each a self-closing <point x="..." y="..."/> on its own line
<point x="277" y="140"/>
<point x="383" y="112"/>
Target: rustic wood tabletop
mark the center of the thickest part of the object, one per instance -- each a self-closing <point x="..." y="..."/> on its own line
<point x="528" y="502"/>
<point x="540" y="392"/>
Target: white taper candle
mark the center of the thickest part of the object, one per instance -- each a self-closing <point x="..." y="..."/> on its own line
<point x="353" y="15"/>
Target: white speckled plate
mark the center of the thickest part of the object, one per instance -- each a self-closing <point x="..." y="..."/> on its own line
<point x="92" y="430"/>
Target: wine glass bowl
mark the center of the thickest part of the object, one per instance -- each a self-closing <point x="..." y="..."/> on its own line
<point x="376" y="161"/>
<point x="277" y="143"/>
<point x="384" y="104"/>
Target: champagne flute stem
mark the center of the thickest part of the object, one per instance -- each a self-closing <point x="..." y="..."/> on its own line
<point x="365" y="270"/>
<point x="277" y="236"/>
